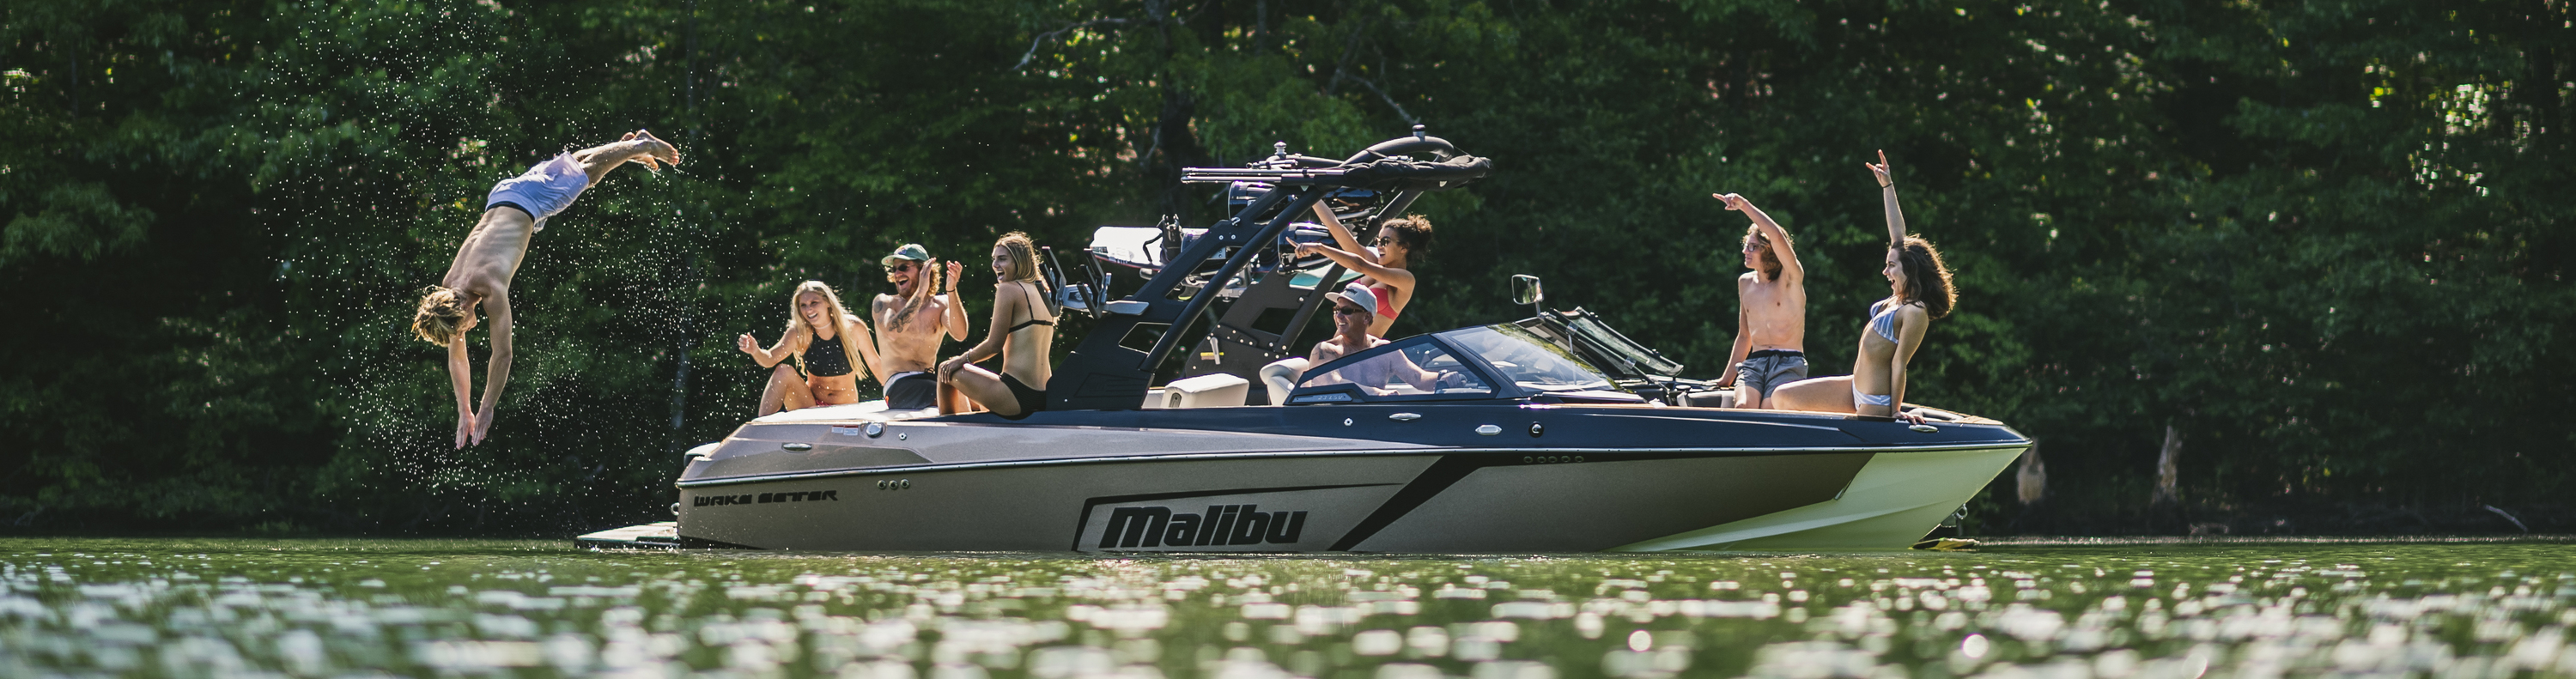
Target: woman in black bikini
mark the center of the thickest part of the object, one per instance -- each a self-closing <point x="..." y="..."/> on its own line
<point x="1023" y="331"/>
<point x="823" y="337"/>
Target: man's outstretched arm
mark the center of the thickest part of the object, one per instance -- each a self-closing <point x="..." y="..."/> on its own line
<point x="460" y="372"/>
<point x="498" y="375"/>
<point x="1781" y="248"/>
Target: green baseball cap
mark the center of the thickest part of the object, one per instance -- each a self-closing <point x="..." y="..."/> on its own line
<point x="911" y="251"/>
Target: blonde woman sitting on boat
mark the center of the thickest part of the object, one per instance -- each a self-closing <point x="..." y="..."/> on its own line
<point x="1919" y="291"/>
<point x="823" y="337"/>
<point x="1023" y="331"/>
<point x="513" y="212"/>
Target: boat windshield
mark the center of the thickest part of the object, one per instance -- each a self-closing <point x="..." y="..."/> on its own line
<point x="1527" y="360"/>
<point x="1418" y="369"/>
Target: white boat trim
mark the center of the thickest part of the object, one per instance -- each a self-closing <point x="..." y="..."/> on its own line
<point x="1716" y="420"/>
<point x="961" y="466"/>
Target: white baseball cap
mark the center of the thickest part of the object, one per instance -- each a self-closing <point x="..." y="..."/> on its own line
<point x="1356" y="294"/>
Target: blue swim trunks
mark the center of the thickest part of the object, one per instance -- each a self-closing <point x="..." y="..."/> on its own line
<point x="544" y="191"/>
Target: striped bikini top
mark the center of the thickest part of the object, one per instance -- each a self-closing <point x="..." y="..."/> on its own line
<point x="1882" y="318"/>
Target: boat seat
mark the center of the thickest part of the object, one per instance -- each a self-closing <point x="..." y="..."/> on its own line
<point x="1218" y="390"/>
<point x="1280" y="377"/>
<point x="1718" y="398"/>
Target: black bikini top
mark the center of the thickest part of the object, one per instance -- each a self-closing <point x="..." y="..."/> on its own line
<point x="824" y="358"/>
<point x="1034" y="321"/>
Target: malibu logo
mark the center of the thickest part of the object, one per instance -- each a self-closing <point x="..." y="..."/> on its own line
<point x="1221" y="525"/>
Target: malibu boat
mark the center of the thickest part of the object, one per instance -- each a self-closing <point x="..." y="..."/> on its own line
<point x="1550" y="434"/>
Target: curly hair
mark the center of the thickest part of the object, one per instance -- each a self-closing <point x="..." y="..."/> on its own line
<point x="1414" y="231"/>
<point x="441" y="316"/>
<point x="924" y="286"/>
<point x="1927" y="278"/>
<point x="1771" y="265"/>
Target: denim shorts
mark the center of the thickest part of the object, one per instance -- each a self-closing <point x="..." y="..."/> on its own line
<point x="1768" y="369"/>
<point x="543" y="192"/>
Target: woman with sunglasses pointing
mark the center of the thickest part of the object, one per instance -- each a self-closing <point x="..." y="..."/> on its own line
<point x="1382" y="269"/>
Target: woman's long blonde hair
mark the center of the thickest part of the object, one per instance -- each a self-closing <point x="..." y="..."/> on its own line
<point x="1024" y="256"/>
<point x="1024" y="267"/>
<point x="839" y="316"/>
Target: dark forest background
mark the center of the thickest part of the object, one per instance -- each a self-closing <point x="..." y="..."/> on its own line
<point x="2320" y="245"/>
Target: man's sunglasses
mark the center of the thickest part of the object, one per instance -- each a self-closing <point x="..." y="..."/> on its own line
<point x="1349" y="310"/>
<point x="905" y="267"/>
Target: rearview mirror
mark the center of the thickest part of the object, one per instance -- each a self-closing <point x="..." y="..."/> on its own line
<point x="1525" y="290"/>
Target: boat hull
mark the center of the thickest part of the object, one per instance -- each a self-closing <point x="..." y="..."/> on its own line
<point x="1275" y="486"/>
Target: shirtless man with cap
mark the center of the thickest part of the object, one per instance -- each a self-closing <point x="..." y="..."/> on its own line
<point x="1353" y="309"/>
<point x="909" y="323"/>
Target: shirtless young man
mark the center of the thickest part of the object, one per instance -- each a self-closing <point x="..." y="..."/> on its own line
<point x="1771" y="323"/>
<point x="909" y="323"/>
<point x="515" y="210"/>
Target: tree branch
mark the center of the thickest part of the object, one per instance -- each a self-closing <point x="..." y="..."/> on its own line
<point x="1381" y="95"/>
<point x="1350" y="47"/>
<point x="1035" y="43"/>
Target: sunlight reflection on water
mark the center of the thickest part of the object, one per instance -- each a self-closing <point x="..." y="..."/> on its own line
<point x="187" y="608"/>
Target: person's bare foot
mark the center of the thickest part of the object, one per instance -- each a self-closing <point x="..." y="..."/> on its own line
<point x="655" y="150"/>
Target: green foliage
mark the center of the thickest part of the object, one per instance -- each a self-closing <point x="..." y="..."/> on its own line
<point x="2325" y="241"/>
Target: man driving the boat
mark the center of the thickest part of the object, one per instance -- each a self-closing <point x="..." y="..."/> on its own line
<point x="1771" y="320"/>
<point x="910" y="323"/>
<point x="1353" y="308"/>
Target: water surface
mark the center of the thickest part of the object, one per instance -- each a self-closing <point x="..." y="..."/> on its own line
<point x="322" y="608"/>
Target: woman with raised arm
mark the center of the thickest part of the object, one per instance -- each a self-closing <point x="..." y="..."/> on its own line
<point x="1022" y="332"/>
<point x="1381" y="269"/>
<point x="1919" y="291"/>
<point x="824" y="337"/>
<point x="513" y="213"/>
